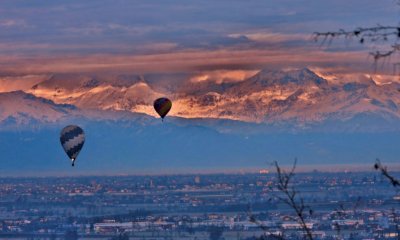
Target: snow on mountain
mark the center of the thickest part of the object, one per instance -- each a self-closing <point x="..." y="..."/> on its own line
<point x="299" y="96"/>
<point x="107" y="92"/>
<point x="24" y="82"/>
<point x="20" y="108"/>
<point x="296" y="96"/>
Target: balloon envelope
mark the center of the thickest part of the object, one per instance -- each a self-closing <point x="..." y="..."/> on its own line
<point x="72" y="139"/>
<point x="162" y="106"/>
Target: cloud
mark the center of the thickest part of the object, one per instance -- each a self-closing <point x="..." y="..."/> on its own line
<point x="272" y="37"/>
<point x="9" y="23"/>
<point x="185" y="61"/>
<point x="223" y="76"/>
<point x="162" y="36"/>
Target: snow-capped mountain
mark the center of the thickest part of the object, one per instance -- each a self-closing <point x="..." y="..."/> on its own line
<point x="20" y="108"/>
<point x="23" y="110"/>
<point x="299" y="96"/>
<point x="128" y="93"/>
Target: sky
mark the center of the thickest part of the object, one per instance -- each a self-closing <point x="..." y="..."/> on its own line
<point x="199" y="40"/>
<point x="167" y="36"/>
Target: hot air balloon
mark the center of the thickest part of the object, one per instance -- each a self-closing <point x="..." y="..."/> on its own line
<point x="72" y="139"/>
<point x="162" y="106"/>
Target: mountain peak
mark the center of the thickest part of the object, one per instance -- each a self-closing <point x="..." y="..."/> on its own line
<point x="301" y="76"/>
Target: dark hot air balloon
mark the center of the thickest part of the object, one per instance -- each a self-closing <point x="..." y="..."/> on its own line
<point x="72" y="139"/>
<point x="162" y="106"/>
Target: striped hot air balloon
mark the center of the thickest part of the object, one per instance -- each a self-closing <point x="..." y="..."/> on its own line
<point x="162" y="106"/>
<point x="72" y="139"/>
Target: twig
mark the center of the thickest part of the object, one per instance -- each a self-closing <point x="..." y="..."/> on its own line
<point x="383" y="169"/>
<point x="290" y="199"/>
<point x="372" y="34"/>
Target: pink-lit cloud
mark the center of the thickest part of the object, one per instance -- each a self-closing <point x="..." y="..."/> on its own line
<point x="203" y="38"/>
<point x="186" y="60"/>
<point x="223" y="76"/>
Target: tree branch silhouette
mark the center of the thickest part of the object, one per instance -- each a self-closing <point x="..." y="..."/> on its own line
<point x="292" y="198"/>
<point x="383" y="169"/>
<point x="364" y="34"/>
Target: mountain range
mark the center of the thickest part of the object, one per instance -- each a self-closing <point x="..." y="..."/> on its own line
<point x="273" y="115"/>
<point x="298" y="97"/>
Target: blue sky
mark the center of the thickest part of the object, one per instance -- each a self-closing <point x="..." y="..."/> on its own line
<point x="175" y="36"/>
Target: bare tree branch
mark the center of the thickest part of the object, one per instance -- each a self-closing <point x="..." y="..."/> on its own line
<point x="383" y="169"/>
<point x="363" y="34"/>
<point x="291" y="197"/>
